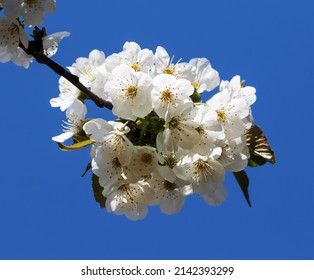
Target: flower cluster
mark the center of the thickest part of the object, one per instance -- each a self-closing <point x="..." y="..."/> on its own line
<point x="19" y="13"/>
<point x="166" y="143"/>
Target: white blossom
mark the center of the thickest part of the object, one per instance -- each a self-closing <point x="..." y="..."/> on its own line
<point x="111" y="134"/>
<point x="209" y="130"/>
<point x="86" y="68"/>
<point x="31" y="10"/>
<point x="143" y="161"/>
<point x="205" y="77"/>
<point x="11" y="34"/>
<point x="235" y="154"/>
<point x="205" y="173"/>
<point x="75" y="115"/>
<point x="169" y="195"/>
<point x="141" y="60"/>
<point x="68" y="94"/>
<point x="106" y="165"/>
<point x="20" y="58"/>
<point x="181" y="127"/>
<point x="232" y="105"/>
<point x="130" y="93"/>
<point x="163" y="64"/>
<point x="130" y="199"/>
<point x="167" y="92"/>
<point x="102" y="76"/>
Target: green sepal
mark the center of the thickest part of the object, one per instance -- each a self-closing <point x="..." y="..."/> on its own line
<point x="97" y="190"/>
<point x="196" y="97"/>
<point x="77" y="138"/>
<point x="243" y="181"/>
<point x="75" y="146"/>
<point x="144" y="130"/>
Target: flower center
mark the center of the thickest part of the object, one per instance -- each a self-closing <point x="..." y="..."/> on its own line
<point x="125" y="191"/>
<point x="170" y="160"/>
<point x="116" y="163"/>
<point x="117" y="141"/>
<point x="146" y="158"/>
<point x="13" y="30"/>
<point x="31" y="3"/>
<point x="174" y="123"/>
<point x="169" y="70"/>
<point x="136" y="67"/>
<point x="169" y="186"/>
<point x="200" y="129"/>
<point x="202" y="169"/>
<point x="221" y="116"/>
<point x="166" y="96"/>
<point x="131" y="91"/>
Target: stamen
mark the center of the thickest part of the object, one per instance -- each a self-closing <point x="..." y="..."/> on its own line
<point x="169" y="186"/>
<point x="146" y="158"/>
<point x="166" y="96"/>
<point x="200" y="129"/>
<point x="136" y="67"/>
<point x="171" y="160"/>
<point x="221" y="116"/>
<point x="202" y="170"/>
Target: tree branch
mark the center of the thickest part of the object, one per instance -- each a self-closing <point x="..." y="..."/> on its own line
<point x="43" y="59"/>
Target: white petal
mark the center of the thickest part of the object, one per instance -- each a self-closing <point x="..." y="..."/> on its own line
<point x="63" y="137"/>
<point x="217" y="197"/>
<point x="172" y="202"/>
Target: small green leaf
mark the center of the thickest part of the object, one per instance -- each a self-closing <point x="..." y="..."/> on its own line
<point x="243" y="181"/>
<point x="75" y="146"/>
<point x="97" y="189"/>
<point x="256" y="160"/>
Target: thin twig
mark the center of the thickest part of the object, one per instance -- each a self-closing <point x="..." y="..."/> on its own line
<point x="43" y="59"/>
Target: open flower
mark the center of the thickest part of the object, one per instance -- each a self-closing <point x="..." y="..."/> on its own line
<point x="169" y="195"/>
<point x="75" y="115"/>
<point x="181" y="127"/>
<point x="86" y="68"/>
<point x="11" y="33"/>
<point x="168" y="91"/>
<point x="209" y="130"/>
<point x="232" y="105"/>
<point x="205" y="173"/>
<point x="68" y="94"/>
<point x="163" y="64"/>
<point x="130" y="199"/>
<point x="235" y="153"/>
<point x="141" y="60"/>
<point x="130" y="93"/>
<point x="31" y="10"/>
<point x="205" y="77"/>
<point x="111" y="134"/>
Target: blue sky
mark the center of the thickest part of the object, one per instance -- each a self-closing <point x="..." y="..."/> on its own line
<point x="47" y="210"/>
